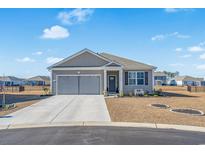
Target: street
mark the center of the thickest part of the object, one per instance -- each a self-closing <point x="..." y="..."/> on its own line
<point x="88" y="135"/>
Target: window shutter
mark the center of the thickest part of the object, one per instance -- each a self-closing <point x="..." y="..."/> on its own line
<point x="126" y="78"/>
<point x="146" y="78"/>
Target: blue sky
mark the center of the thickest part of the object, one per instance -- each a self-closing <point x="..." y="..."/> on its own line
<point x="33" y="39"/>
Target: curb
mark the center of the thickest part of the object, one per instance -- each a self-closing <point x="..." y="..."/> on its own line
<point x="112" y="124"/>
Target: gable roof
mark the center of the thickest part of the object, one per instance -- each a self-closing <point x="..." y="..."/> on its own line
<point x="10" y="79"/>
<point x="77" y="54"/>
<point x="159" y="74"/>
<point x="127" y="63"/>
<point x="39" y="78"/>
<point x="188" y="78"/>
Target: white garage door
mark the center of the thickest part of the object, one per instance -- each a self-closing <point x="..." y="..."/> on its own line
<point x="78" y="85"/>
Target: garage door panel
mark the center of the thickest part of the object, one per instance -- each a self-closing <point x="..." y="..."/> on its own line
<point x="89" y="85"/>
<point x="67" y="85"/>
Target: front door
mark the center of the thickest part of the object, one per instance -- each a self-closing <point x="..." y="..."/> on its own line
<point x="112" y="82"/>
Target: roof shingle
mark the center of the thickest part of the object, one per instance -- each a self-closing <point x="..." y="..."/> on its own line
<point x="127" y="63"/>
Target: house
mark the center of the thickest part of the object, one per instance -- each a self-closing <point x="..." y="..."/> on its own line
<point x="202" y="83"/>
<point x="186" y="81"/>
<point x="87" y="72"/>
<point x="38" y="81"/>
<point x="160" y="78"/>
<point x="11" y="81"/>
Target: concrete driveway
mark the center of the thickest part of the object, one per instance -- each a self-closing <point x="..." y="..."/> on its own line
<point x="61" y="108"/>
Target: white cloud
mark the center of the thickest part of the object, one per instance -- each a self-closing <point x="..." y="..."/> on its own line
<point x="202" y="56"/>
<point x="37" y="53"/>
<point x="201" y="67"/>
<point x="52" y="60"/>
<point x="55" y="32"/>
<point x="186" y="56"/>
<point x="177" y="65"/>
<point x="158" y="37"/>
<point x="195" y="49"/>
<point x="25" y="59"/>
<point x="174" y="10"/>
<point x="164" y="36"/>
<point x="75" y="16"/>
<point x="178" y="49"/>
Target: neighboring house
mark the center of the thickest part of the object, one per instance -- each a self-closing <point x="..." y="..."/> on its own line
<point x="186" y="80"/>
<point x="11" y="81"/>
<point x="38" y="81"/>
<point x="87" y="72"/>
<point x="160" y="78"/>
<point x="202" y="83"/>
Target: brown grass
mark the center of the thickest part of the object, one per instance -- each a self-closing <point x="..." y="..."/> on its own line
<point x="136" y="109"/>
<point x="18" y="107"/>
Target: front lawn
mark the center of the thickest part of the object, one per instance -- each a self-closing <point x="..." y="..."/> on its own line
<point x="137" y="109"/>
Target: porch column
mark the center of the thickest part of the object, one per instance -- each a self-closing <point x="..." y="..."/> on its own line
<point x="51" y="82"/>
<point x="105" y="80"/>
<point x="120" y="81"/>
<point x="153" y="82"/>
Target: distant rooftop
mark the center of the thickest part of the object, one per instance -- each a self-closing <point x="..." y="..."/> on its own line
<point x="10" y="78"/>
<point x="39" y="78"/>
<point x="159" y="74"/>
<point x="188" y="78"/>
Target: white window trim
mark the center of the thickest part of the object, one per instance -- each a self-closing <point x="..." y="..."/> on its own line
<point x="136" y="84"/>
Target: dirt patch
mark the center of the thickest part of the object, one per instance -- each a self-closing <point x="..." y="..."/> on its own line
<point x="136" y="109"/>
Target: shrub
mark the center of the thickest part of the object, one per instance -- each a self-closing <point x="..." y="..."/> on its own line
<point x="46" y="90"/>
<point x="121" y="94"/>
<point x="130" y="94"/>
<point x="9" y="106"/>
<point x="105" y="93"/>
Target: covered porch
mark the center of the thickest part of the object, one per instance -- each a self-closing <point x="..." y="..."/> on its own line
<point x="113" y="81"/>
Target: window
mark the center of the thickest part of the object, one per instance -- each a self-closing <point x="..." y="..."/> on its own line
<point x="140" y="78"/>
<point x="136" y="78"/>
<point x="132" y="78"/>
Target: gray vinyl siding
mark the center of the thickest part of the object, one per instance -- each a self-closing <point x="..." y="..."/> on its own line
<point x="84" y="60"/>
<point x="126" y="88"/>
<point x="75" y="72"/>
<point x="130" y="88"/>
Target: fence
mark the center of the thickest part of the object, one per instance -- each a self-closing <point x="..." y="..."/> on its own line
<point x="12" y="89"/>
<point x="23" y="88"/>
<point x="172" y="88"/>
<point x="196" y="88"/>
<point x="35" y="88"/>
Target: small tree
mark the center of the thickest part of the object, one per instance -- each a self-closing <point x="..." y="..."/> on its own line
<point x="46" y="90"/>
